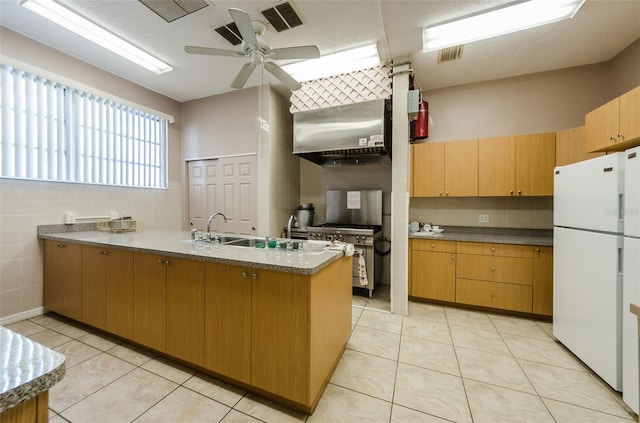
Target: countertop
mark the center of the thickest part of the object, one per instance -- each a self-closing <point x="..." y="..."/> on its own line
<point x="541" y="237"/>
<point x="179" y="244"/>
<point x="26" y="368"/>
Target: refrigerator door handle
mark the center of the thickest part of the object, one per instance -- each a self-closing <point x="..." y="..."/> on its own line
<point x="621" y="207"/>
<point x="620" y="262"/>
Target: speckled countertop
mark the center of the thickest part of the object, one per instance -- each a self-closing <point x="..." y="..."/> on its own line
<point x="179" y="244"/>
<point x="541" y="237"/>
<point x="26" y="368"/>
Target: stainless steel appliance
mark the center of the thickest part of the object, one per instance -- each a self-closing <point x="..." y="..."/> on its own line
<point x="354" y="217"/>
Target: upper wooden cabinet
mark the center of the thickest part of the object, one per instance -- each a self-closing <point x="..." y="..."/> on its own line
<point x="519" y="165"/>
<point x="445" y="169"/>
<point x="614" y="126"/>
<point x="571" y="146"/>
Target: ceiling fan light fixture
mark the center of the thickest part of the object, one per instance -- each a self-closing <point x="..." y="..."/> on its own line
<point x="503" y="20"/>
<point x="96" y="34"/>
<point x="335" y="64"/>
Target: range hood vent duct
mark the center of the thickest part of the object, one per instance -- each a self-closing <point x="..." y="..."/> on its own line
<point x="352" y="134"/>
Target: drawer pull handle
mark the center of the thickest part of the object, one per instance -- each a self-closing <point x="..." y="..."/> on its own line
<point x="493" y="269"/>
<point x="493" y="249"/>
<point x="245" y="274"/>
<point x="62" y="246"/>
<point x="254" y="276"/>
<point x="160" y="262"/>
<point x="452" y="256"/>
<point x="433" y="245"/>
<point x="492" y="295"/>
<point x="537" y="250"/>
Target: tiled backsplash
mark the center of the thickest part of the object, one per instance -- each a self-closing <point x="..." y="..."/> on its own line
<point x="26" y="204"/>
<point x="503" y="212"/>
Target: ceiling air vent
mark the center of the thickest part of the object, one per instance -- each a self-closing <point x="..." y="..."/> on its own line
<point x="170" y="10"/>
<point x="450" y="53"/>
<point x="230" y="33"/>
<point x="282" y="16"/>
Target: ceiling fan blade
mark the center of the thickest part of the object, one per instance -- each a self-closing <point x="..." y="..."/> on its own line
<point x="243" y="75"/>
<point x="299" y="52"/>
<point x="212" y="51"/>
<point x="243" y="22"/>
<point x="284" y="77"/>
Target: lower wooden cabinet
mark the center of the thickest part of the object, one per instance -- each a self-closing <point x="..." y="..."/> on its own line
<point x="150" y="301"/>
<point x="433" y="269"/>
<point x="63" y="278"/>
<point x="501" y="276"/>
<point x="227" y="323"/>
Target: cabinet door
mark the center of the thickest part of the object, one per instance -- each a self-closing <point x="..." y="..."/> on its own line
<point x="428" y="169"/>
<point x="185" y="310"/>
<point x="496" y="166"/>
<point x="63" y="278"/>
<point x="227" y="328"/>
<point x="571" y="146"/>
<point x="150" y="301"/>
<point x="94" y="303"/>
<point x="535" y="161"/>
<point x="498" y="295"/>
<point x="543" y="281"/>
<point x="119" y="295"/>
<point x="461" y="168"/>
<point x="602" y="125"/>
<point x="433" y="275"/>
<point x="280" y="335"/>
<point x="514" y="270"/>
<point x="629" y="116"/>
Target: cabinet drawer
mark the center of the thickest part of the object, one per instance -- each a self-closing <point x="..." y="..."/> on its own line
<point x="434" y="245"/>
<point x="494" y="294"/>
<point x="493" y="249"/>
<point x="495" y="269"/>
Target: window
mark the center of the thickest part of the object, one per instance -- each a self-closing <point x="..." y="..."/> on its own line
<point x="52" y="131"/>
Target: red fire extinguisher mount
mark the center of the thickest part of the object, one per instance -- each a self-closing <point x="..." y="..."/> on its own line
<point x="421" y="128"/>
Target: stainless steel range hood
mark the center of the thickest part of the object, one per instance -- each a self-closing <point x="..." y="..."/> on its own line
<point x="352" y="134"/>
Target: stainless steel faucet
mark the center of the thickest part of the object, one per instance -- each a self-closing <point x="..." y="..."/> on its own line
<point x="211" y="218"/>
<point x="293" y="217"/>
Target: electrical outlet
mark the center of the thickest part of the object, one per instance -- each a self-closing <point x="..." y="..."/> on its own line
<point x="483" y="218"/>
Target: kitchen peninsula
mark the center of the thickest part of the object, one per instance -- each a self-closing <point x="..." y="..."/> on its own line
<point x="271" y="321"/>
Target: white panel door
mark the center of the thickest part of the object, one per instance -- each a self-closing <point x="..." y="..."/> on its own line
<point x="631" y="293"/>
<point x="239" y="193"/>
<point x="587" y="298"/>
<point x="588" y="194"/>
<point x="202" y="192"/>
<point x="632" y="192"/>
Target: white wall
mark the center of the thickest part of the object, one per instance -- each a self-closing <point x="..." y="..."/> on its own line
<point x="26" y="204"/>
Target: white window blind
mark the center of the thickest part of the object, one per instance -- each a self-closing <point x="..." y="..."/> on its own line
<point x="51" y="131"/>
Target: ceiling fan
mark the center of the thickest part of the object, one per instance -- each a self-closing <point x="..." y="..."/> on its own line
<point x="258" y="51"/>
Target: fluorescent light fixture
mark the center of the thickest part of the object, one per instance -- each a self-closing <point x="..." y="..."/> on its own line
<point x="92" y="32"/>
<point x="334" y="64"/>
<point x="499" y="21"/>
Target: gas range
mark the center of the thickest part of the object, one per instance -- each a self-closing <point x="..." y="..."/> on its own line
<point x="351" y="233"/>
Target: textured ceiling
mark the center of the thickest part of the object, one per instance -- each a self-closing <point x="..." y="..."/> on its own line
<point x="600" y="30"/>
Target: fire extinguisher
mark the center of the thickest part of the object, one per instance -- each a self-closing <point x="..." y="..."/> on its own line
<point x="421" y="128"/>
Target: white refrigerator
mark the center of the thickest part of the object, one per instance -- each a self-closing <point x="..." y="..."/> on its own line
<point x="588" y="243"/>
<point x="631" y="280"/>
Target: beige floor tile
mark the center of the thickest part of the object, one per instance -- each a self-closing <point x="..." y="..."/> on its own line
<point x="184" y="405"/>
<point x="49" y="338"/>
<point x="468" y="318"/>
<point x="70" y="330"/>
<point x="490" y="404"/>
<point x="76" y="352"/>
<point x="358" y="301"/>
<point x="429" y="355"/>
<point x="86" y="378"/>
<point x="478" y="339"/>
<point x="238" y="417"/>
<point x="493" y="368"/>
<point x="101" y="342"/>
<point x="400" y="414"/>
<point x="427" y="312"/>
<point x="373" y="341"/>
<point x="517" y="326"/>
<point x="338" y="404"/>
<point x="356" y="312"/>
<point x="25" y="327"/>
<point x="426" y="329"/>
<point x="431" y="392"/>
<point x="268" y="411"/>
<point x="366" y="374"/>
<point x="169" y="369"/>
<point x="571" y="386"/>
<point x="215" y="389"/>
<point x="123" y="400"/>
<point x="567" y="413"/>
<point x="54" y="418"/>
<point x="132" y="354"/>
<point x="382" y="321"/>
<point x="547" y="328"/>
<point x="48" y="320"/>
<point x="376" y="304"/>
<point x="542" y="351"/>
